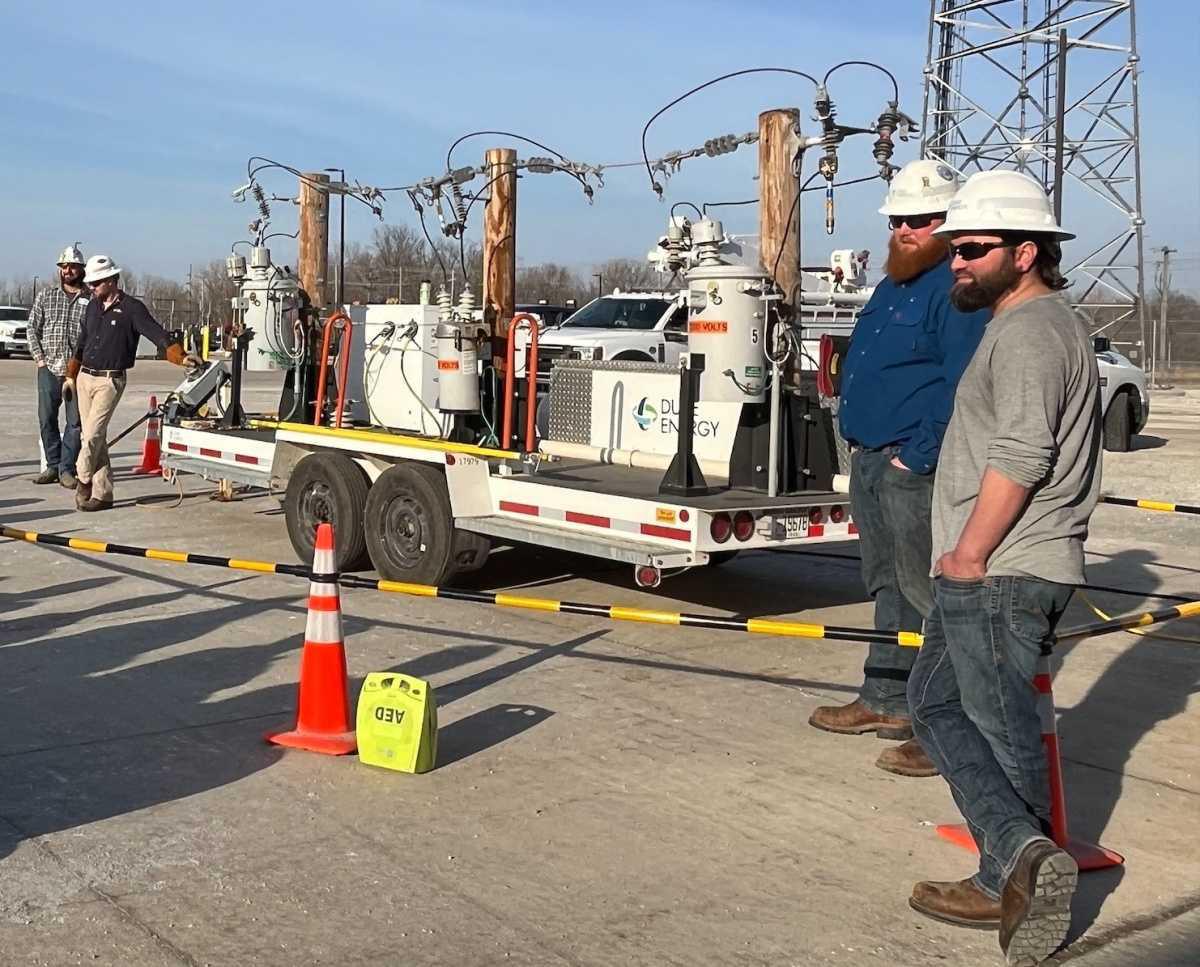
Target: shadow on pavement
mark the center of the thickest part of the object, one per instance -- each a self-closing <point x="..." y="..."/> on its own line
<point x="1148" y="683"/>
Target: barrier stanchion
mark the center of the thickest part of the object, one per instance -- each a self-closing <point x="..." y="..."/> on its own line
<point x="1089" y="856"/>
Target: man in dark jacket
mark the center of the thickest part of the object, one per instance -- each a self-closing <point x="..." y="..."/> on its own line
<point x="909" y="348"/>
<point x="106" y="349"/>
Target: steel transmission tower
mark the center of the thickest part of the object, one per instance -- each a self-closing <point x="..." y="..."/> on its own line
<point x="998" y="81"/>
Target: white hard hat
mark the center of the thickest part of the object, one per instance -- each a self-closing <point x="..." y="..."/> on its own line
<point x="71" y="255"/>
<point x="100" y="267"/>
<point x="1001" y="201"/>
<point x="922" y="187"/>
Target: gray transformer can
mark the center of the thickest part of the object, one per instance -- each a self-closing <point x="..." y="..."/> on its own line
<point x="270" y="303"/>
<point x="458" y="368"/>
<point x="726" y="323"/>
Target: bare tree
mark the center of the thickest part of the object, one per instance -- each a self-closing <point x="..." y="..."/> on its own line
<point x="629" y="274"/>
<point x="551" y="282"/>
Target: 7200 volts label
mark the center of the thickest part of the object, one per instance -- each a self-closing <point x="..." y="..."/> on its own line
<point x="708" y="327"/>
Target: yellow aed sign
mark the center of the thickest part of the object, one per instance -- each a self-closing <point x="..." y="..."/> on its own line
<point x="397" y="722"/>
<point x="664" y="515"/>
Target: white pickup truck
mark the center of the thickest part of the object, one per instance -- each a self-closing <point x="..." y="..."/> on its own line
<point x="625" y="326"/>
<point x="1124" y="400"/>
<point x="14" y="330"/>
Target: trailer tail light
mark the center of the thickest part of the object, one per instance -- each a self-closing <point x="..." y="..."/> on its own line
<point x="816" y="516"/>
<point x="720" y="528"/>
<point x="836" y="515"/>
<point x="743" y="525"/>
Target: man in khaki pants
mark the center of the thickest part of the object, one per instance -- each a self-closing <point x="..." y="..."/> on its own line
<point x="106" y="349"/>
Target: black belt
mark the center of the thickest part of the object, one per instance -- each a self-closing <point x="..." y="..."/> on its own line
<point x="104" y="373"/>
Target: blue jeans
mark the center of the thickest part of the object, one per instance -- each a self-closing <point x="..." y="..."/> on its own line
<point x="62" y="450"/>
<point x="975" y="709"/>
<point x="892" y="509"/>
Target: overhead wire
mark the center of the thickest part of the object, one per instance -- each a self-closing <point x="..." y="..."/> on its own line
<point x="716" y="80"/>
<point x="864" y="63"/>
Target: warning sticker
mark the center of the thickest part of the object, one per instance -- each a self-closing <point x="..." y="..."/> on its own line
<point x="708" y="326"/>
<point x="448" y="364"/>
<point x="664" y="515"/>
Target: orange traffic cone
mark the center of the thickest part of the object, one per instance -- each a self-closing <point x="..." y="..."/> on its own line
<point x="1089" y="856"/>
<point x="323" y="722"/>
<point x="152" y="445"/>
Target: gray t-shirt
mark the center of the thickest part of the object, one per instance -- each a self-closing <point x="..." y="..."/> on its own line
<point x="1027" y="406"/>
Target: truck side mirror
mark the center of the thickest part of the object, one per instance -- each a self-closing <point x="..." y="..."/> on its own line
<point x="1101" y="344"/>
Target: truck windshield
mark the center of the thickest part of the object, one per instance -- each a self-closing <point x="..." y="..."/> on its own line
<point x="619" y="314"/>
<point x="14" y="315"/>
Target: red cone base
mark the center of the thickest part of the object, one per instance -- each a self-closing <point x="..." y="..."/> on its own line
<point x="1089" y="856"/>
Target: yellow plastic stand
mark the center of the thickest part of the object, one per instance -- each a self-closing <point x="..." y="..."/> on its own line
<point x="397" y="722"/>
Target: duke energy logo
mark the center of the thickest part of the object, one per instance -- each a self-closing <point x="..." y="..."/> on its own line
<point x="645" y="414"/>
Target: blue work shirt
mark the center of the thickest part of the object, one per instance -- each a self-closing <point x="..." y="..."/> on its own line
<point x="908" y="351"/>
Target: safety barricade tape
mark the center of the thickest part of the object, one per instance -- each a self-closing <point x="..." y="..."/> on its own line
<point x="1162" y="506"/>
<point x="760" y="626"/>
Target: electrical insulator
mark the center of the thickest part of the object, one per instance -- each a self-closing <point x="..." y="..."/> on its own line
<point x="445" y="306"/>
<point x="722" y="145"/>
<point x="460" y="208"/>
<point x="466" y="303"/>
<point x="264" y="210"/>
<point x="541" y="166"/>
<point x="885" y="127"/>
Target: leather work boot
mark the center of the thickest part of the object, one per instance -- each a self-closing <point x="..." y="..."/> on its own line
<point x="962" y="904"/>
<point x="83" y="493"/>
<point x="95" y="503"/>
<point x="47" y="476"/>
<point x="907" y="759"/>
<point x="1035" y="905"/>
<point x="856" y="718"/>
<point x="67" y="479"/>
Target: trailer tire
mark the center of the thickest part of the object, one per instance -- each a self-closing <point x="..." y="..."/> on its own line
<point x="333" y="488"/>
<point x="410" y="529"/>
<point x="1118" y="423"/>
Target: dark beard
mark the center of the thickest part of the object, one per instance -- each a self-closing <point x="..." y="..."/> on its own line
<point x="906" y="262"/>
<point x="984" y="292"/>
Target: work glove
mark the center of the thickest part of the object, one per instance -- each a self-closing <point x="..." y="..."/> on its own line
<point x="68" y="389"/>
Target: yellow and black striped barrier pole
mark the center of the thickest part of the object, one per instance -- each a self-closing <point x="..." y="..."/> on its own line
<point x="1162" y="506"/>
<point x="758" y="626"/>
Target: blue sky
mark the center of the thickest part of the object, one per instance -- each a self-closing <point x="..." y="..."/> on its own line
<point x="129" y="131"/>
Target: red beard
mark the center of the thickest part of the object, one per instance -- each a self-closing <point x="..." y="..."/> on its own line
<point x="906" y="262"/>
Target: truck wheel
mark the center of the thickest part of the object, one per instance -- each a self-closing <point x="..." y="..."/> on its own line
<point x="328" y="487"/>
<point x="1118" y="424"/>
<point x="410" y="530"/>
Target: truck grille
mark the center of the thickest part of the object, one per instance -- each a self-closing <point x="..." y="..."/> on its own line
<point x="21" y="333"/>
<point x="549" y="355"/>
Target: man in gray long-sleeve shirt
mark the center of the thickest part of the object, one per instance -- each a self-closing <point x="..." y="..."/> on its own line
<point x="1018" y="479"/>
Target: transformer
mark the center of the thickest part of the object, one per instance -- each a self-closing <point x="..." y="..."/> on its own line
<point x="269" y="302"/>
<point x="457" y="355"/>
<point x="727" y="303"/>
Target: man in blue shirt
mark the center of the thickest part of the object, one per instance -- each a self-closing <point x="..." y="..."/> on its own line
<point x="909" y="349"/>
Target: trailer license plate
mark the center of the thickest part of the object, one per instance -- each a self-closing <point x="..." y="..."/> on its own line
<point x="795" y="525"/>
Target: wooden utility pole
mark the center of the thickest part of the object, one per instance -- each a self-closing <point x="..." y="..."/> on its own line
<point x="779" y="197"/>
<point x="500" y="248"/>
<point x="314" y="236"/>
<point x="779" y="209"/>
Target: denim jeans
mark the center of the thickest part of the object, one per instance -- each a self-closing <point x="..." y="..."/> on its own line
<point x="62" y="449"/>
<point x="975" y="709"/>
<point x="892" y="509"/>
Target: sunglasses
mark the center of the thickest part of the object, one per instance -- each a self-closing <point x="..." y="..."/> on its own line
<point x="914" y="221"/>
<point x="96" y="285"/>
<point x="970" y="251"/>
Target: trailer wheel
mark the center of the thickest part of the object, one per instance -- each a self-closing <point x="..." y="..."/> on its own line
<point x="328" y="487"/>
<point x="1118" y="424"/>
<point x="410" y="529"/>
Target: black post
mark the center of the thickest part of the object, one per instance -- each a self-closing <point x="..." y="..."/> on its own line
<point x="684" y="477"/>
<point x="1060" y="116"/>
<point x="235" y="416"/>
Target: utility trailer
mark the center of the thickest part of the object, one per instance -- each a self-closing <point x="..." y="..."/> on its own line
<point x="660" y="465"/>
<point x="422" y="509"/>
